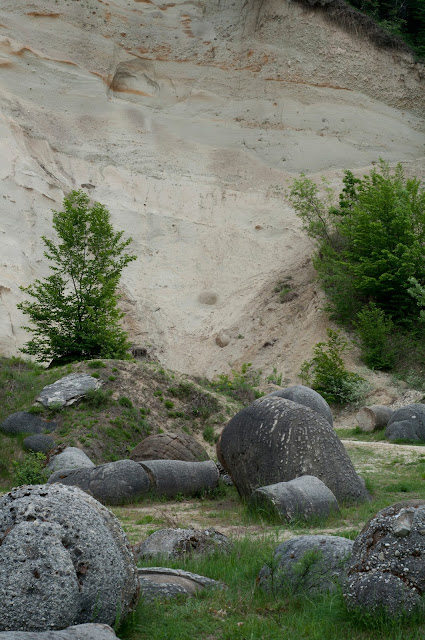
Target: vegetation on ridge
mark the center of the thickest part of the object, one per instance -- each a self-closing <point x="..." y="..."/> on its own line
<point x="370" y="258"/>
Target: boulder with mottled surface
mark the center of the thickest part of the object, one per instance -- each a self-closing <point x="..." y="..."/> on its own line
<point x="169" y="446"/>
<point x="64" y="560"/>
<point x="323" y="559"/>
<point x="386" y="571"/>
<point x="178" y="543"/>
<point x="276" y="440"/>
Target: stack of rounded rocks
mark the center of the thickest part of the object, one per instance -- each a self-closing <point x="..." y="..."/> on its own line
<point x="276" y="440"/>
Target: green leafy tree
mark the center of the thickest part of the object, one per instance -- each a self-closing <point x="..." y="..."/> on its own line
<point x="74" y="311"/>
<point x="374" y="241"/>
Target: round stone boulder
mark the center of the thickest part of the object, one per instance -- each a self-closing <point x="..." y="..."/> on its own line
<point x="386" y="571"/>
<point x="407" y="423"/>
<point x="179" y="543"/>
<point x="310" y="564"/>
<point x="69" y="458"/>
<point x="304" y="498"/>
<point x="23" y="422"/>
<point x="39" y="443"/>
<point x="64" y="560"/>
<point x="308" y="398"/>
<point x="113" y="483"/>
<point x="276" y="440"/>
<point x="169" y="446"/>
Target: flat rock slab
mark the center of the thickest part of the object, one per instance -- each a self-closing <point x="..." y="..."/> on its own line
<point x="64" y="560"/>
<point x="178" y="543"/>
<point x="303" y="498"/>
<point x="310" y="564"/>
<point x="69" y="458"/>
<point x="67" y="390"/>
<point x="172" y="477"/>
<point x="39" y="443"/>
<point x="113" y="483"/>
<point x="78" y="632"/>
<point x="160" y="582"/>
<point x="386" y="570"/>
<point x="23" y="422"/>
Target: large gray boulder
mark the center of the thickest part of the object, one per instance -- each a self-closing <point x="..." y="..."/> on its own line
<point x="407" y="423"/>
<point x="64" y="560"/>
<point x="175" y="477"/>
<point x="169" y="446"/>
<point x="308" y="398"/>
<point x="304" y="498"/>
<point x="23" y="422"/>
<point x="39" y="443"/>
<point x="112" y="483"/>
<point x="310" y="564"/>
<point x="163" y="583"/>
<point x="67" y="390"/>
<point x="69" y="458"/>
<point x="179" y="543"/>
<point x="276" y="440"/>
<point x="91" y="631"/>
<point x="386" y="570"/>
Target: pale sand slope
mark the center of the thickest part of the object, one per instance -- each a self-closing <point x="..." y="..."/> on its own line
<point x="189" y="120"/>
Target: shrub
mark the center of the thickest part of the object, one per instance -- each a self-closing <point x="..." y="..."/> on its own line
<point x="30" y="470"/>
<point x="374" y="327"/>
<point x="125" y="402"/>
<point x="326" y="372"/>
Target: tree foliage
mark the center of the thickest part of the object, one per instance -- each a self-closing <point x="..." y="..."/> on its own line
<point x="370" y="244"/>
<point x="405" y="18"/>
<point x="74" y="310"/>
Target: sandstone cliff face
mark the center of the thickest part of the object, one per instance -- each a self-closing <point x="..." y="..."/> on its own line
<point x="188" y="119"/>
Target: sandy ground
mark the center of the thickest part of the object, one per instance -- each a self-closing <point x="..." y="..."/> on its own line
<point x="189" y="120"/>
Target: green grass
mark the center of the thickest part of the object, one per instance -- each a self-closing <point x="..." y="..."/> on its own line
<point x="243" y="611"/>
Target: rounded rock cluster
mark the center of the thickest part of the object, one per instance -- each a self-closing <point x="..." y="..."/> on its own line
<point x="386" y="571"/>
<point x="64" y="560"/>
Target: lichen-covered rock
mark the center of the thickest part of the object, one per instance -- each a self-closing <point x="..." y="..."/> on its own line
<point x="23" y="422"/>
<point x="175" y="477"/>
<point x="67" y="390"/>
<point x="39" y="442"/>
<point x="90" y="631"/>
<point x="276" y="440"/>
<point x="387" y="570"/>
<point x="303" y="498"/>
<point x="169" y="446"/>
<point x="407" y="423"/>
<point x="112" y="483"/>
<point x="307" y="563"/>
<point x="160" y="582"/>
<point x="69" y="458"/>
<point x="64" y="560"/>
<point x="308" y="398"/>
<point x="178" y="543"/>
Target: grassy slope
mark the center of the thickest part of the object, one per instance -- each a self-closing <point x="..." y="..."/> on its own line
<point x="243" y="611"/>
